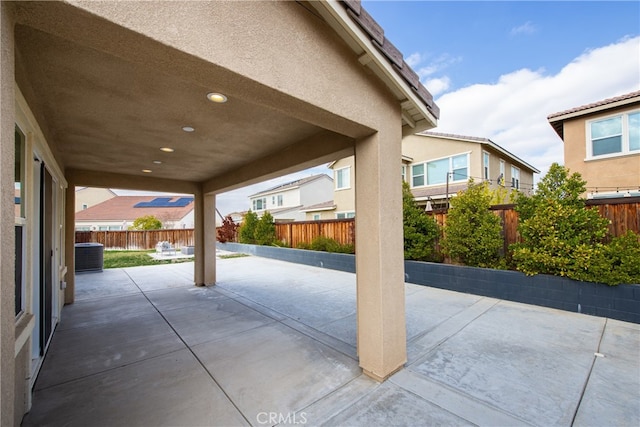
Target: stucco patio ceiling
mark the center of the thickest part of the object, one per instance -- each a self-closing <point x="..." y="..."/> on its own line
<point x="112" y="98"/>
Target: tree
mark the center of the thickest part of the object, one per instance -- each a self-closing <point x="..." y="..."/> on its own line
<point x="420" y="230"/>
<point x="147" y="222"/>
<point x="228" y="231"/>
<point x="265" y="232"/>
<point x="248" y="228"/>
<point x="472" y="233"/>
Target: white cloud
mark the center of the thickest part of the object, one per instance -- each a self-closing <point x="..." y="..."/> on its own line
<point x="438" y="85"/>
<point x="414" y="59"/>
<point x="513" y="112"/>
<point x="526" y="28"/>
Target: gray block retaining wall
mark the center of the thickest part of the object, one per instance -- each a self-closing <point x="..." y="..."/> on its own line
<point x="615" y="302"/>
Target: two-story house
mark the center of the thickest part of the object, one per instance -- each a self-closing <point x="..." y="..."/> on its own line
<point x="436" y="166"/>
<point x="285" y="202"/>
<point x="602" y="143"/>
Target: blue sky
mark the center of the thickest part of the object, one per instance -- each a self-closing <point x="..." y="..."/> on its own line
<point x="498" y="69"/>
<point x="477" y="42"/>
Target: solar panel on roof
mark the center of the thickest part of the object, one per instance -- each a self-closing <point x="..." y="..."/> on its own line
<point x="165" y="202"/>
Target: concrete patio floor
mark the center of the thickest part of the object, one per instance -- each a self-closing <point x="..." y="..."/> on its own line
<point x="274" y="343"/>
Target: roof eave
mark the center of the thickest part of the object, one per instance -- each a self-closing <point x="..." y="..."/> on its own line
<point x="557" y="120"/>
<point x="416" y="116"/>
<point x="482" y="141"/>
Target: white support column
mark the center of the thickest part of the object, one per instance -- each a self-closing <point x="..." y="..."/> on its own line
<point x="379" y="255"/>
<point x="205" y="239"/>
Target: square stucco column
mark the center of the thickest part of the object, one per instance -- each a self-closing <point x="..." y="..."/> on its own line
<point x="70" y="242"/>
<point x="382" y="341"/>
<point x="205" y="239"/>
<point x="8" y="417"/>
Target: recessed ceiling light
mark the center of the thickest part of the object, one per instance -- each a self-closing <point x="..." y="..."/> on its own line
<point x="188" y="128"/>
<point x="216" y="97"/>
<point x="167" y="149"/>
<point x="146" y="170"/>
<point x="157" y="162"/>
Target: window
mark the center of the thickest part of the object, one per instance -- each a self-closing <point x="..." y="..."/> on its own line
<point x="459" y="168"/>
<point x="85" y="206"/>
<point x="515" y="177"/>
<point x="273" y="200"/>
<point x="316" y="217"/>
<point x="344" y="215"/>
<point x="612" y="136"/>
<point x="343" y="178"/>
<point x="279" y="199"/>
<point x="501" y="178"/>
<point x="417" y="175"/>
<point x="404" y="173"/>
<point x="455" y="168"/>
<point x="485" y="164"/>
<point x="437" y="171"/>
<point x="260" y="204"/>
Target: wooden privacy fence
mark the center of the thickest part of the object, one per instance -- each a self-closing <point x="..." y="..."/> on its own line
<point x="623" y="214"/>
<point x="294" y="233"/>
<point x="140" y="240"/>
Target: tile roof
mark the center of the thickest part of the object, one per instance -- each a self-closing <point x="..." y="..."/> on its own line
<point x="440" y="191"/>
<point x="360" y="16"/>
<point x="597" y="104"/>
<point x="292" y="184"/>
<point x="556" y="120"/>
<point x="121" y="208"/>
<point x="319" y="206"/>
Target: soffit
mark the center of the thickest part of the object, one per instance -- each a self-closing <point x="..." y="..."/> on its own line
<point x="105" y="113"/>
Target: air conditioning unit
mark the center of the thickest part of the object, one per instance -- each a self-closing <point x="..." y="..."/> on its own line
<point x="89" y="256"/>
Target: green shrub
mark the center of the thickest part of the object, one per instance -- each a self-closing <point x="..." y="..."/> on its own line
<point x="623" y="259"/>
<point x="472" y="233"/>
<point x="265" y="232"/>
<point x="303" y="245"/>
<point x="248" y="228"/>
<point x="326" y="244"/>
<point x="420" y="230"/>
<point x="560" y="235"/>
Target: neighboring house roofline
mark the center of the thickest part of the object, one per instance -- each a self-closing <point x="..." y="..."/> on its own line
<point x="281" y="210"/>
<point x="121" y="208"/>
<point x="556" y="120"/>
<point x="103" y="188"/>
<point x="324" y="206"/>
<point x="290" y="185"/>
<point x="483" y="141"/>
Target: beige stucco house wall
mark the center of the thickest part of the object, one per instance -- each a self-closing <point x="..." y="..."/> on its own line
<point x="193" y="98"/>
<point x="615" y="170"/>
<point x="484" y="161"/>
<point x="91" y="196"/>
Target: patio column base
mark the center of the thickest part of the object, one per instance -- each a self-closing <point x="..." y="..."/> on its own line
<point x="382" y="378"/>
